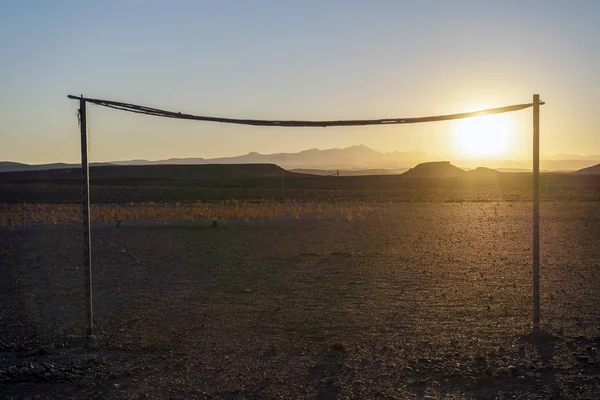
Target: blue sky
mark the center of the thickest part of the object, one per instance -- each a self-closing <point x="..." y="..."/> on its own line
<point x="280" y="59"/>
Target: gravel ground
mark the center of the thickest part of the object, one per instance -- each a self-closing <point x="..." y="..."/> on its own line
<point x="416" y="300"/>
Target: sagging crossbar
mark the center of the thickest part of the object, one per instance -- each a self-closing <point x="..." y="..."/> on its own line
<point x="134" y="108"/>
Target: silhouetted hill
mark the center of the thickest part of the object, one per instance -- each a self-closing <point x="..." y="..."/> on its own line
<point x="9" y="166"/>
<point x="593" y="170"/>
<point x="437" y="169"/>
<point x="483" y="172"/>
<point x="153" y="173"/>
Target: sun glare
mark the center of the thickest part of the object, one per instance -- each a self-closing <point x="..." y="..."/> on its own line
<point x="483" y="137"/>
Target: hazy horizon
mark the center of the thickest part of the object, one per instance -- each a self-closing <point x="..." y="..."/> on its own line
<point x="557" y="156"/>
<point x="312" y="60"/>
<point x="365" y="158"/>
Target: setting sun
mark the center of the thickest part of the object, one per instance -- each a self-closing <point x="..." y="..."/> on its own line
<point x="483" y="137"/>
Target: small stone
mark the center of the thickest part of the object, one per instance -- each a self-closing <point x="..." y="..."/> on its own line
<point x="337" y="385"/>
<point x="538" y="375"/>
<point x="47" y="375"/>
<point x="530" y="374"/>
<point x="337" y="346"/>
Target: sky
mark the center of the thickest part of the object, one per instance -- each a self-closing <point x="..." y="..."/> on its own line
<point x="294" y="60"/>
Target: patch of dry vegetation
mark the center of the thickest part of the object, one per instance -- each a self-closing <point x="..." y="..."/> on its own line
<point x="15" y="215"/>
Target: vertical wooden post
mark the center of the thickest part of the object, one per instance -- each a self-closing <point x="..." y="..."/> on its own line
<point x="337" y="183"/>
<point x="536" y="211"/>
<point x="87" y="239"/>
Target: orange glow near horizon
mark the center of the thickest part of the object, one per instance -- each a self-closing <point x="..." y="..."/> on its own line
<point x="489" y="136"/>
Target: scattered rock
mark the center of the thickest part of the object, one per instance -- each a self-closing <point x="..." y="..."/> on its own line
<point x="583" y="358"/>
<point x="337" y="385"/>
<point x="417" y="382"/>
<point x="528" y="366"/>
<point x="37" y="352"/>
<point x="502" y="372"/>
<point x="337" y="346"/>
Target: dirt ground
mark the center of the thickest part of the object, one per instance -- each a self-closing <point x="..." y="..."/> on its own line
<point x="412" y="300"/>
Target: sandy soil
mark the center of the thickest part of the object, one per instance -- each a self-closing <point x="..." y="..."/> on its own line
<point x="418" y="300"/>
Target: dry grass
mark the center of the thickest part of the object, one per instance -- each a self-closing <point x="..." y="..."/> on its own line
<point x="16" y="215"/>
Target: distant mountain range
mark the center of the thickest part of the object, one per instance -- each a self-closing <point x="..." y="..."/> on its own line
<point x="355" y="160"/>
<point x="355" y="157"/>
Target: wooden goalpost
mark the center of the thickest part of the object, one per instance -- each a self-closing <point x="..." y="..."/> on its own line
<point x="85" y="180"/>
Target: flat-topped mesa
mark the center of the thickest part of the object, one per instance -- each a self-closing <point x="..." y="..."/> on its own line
<point x="435" y="169"/>
<point x="593" y="170"/>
